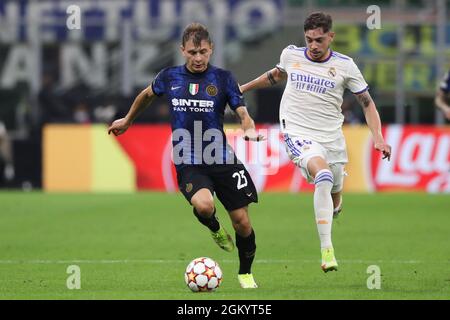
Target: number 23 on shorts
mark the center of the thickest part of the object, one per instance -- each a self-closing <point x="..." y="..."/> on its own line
<point x="241" y="179"/>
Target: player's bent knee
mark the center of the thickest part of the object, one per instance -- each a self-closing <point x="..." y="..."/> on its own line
<point x="243" y="223"/>
<point x="314" y="164"/>
<point x="205" y="207"/>
<point x="203" y="202"/>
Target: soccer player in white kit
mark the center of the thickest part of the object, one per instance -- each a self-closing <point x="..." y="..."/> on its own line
<point x="311" y="118"/>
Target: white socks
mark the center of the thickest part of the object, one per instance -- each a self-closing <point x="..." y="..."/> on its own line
<point x="323" y="206"/>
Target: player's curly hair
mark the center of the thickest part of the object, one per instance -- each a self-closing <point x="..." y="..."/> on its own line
<point x="197" y="32"/>
<point x="318" y="20"/>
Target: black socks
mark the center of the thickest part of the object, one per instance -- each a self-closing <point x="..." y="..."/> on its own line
<point x="247" y="249"/>
<point x="246" y="246"/>
<point x="212" y="223"/>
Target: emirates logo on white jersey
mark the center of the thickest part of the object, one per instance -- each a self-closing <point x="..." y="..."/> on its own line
<point x="306" y="82"/>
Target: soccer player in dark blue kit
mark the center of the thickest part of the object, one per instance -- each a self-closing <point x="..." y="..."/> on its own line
<point x="198" y="93"/>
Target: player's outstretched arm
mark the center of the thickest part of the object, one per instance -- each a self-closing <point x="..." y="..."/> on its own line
<point x="441" y="104"/>
<point x="374" y="123"/>
<point x="267" y="79"/>
<point x="248" y="125"/>
<point x="141" y="102"/>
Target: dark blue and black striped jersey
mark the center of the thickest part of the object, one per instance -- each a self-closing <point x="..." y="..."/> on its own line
<point x="197" y="103"/>
<point x="445" y="83"/>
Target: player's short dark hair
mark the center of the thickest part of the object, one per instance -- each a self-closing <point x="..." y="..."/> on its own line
<point x="197" y="32"/>
<point x="318" y="20"/>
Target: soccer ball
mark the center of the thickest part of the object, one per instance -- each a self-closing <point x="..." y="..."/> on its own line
<point x="203" y="274"/>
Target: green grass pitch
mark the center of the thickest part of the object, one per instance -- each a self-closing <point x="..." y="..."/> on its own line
<point x="137" y="247"/>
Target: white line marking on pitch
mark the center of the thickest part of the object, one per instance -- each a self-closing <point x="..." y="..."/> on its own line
<point x="160" y="261"/>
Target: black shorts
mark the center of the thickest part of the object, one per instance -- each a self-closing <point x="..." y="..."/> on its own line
<point x="231" y="182"/>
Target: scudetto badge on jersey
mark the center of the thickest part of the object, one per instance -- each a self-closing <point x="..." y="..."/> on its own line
<point x="193" y="88"/>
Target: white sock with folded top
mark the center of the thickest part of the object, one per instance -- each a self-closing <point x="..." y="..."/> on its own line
<point x="323" y="206"/>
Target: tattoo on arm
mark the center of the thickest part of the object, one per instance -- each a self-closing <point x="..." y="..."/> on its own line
<point x="364" y="99"/>
<point x="271" y="78"/>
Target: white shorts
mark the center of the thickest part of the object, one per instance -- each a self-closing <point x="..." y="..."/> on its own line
<point x="301" y="149"/>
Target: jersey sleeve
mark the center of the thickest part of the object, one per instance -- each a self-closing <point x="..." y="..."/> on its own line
<point x="355" y="81"/>
<point x="282" y="64"/>
<point x="159" y="83"/>
<point x="445" y="83"/>
<point x="234" y="94"/>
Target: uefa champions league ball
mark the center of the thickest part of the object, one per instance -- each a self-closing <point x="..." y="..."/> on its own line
<point x="203" y="275"/>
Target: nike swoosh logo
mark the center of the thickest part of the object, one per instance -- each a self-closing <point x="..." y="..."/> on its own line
<point x="249" y="194"/>
<point x="175" y="88"/>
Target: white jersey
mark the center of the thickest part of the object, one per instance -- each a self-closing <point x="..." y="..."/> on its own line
<point x="311" y="102"/>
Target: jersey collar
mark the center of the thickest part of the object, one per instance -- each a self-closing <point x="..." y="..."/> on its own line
<point x="197" y="73"/>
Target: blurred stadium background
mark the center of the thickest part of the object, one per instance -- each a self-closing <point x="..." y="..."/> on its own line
<point x="60" y="88"/>
<point x="50" y="75"/>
